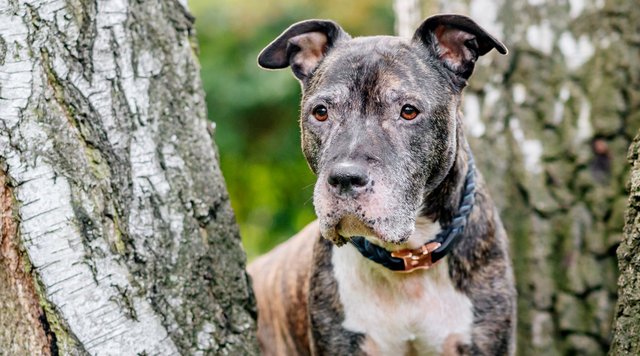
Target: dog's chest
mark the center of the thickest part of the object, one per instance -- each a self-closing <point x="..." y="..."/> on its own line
<point x="420" y="313"/>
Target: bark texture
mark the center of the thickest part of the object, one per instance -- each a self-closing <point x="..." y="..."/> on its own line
<point x="25" y="328"/>
<point x="117" y="233"/>
<point x="626" y="338"/>
<point x="550" y="124"/>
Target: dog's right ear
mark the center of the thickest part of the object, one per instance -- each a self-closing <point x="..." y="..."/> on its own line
<point x="302" y="46"/>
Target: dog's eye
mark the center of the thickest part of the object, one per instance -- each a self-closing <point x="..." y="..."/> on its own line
<point x="320" y="112"/>
<point x="409" y="112"/>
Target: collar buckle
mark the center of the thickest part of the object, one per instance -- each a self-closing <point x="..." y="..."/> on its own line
<point x="419" y="258"/>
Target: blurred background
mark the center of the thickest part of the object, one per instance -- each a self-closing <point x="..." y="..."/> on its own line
<point x="256" y="111"/>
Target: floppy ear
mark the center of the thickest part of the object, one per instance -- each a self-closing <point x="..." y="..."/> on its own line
<point x="302" y="46"/>
<point x="457" y="41"/>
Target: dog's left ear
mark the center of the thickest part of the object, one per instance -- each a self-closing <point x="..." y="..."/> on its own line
<point x="457" y="41"/>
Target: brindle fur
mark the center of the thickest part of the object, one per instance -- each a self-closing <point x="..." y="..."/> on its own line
<point x="423" y="161"/>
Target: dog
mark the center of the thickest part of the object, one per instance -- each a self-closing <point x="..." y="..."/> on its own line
<point x="408" y="255"/>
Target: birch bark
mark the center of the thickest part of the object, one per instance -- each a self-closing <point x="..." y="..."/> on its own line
<point x="117" y="233"/>
<point x="408" y="16"/>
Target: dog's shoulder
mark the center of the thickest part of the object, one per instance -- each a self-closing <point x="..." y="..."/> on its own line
<point x="483" y="254"/>
<point x="297" y="250"/>
<point x="281" y="284"/>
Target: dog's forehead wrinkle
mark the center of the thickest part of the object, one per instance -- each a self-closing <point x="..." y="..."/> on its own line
<point x="376" y="77"/>
<point x="330" y="94"/>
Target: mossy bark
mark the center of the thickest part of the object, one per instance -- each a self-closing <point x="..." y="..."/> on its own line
<point x="626" y="338"/>
<point x="117" y="235"/>
<point x="550" y="125"/>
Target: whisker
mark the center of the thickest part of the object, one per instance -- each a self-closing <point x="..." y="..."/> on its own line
<point x="308" y="200"/>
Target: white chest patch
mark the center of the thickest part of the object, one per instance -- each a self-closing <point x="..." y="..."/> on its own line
<point x="415" y="313"/>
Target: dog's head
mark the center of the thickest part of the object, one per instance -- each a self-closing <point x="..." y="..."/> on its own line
<point x="378" y="117"/>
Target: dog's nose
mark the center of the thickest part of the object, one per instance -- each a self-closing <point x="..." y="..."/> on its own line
<point x="348" y="177"/>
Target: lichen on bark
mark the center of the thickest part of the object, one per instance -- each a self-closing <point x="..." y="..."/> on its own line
<point x="626" y="339"/>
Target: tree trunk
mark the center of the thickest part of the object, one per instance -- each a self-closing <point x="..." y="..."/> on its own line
<point x="407" y="16"/>
<point x="117" y="234"/>
<point x="626" y="338"/>
<point x="550" y="124"/>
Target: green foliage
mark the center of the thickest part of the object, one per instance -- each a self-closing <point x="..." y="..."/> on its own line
<point x="256" y="111"/>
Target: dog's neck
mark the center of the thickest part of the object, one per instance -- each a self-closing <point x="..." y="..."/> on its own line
<point x="441" y="204"/>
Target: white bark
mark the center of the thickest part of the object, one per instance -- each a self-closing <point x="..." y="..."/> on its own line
<point x="408" y="17"/>
<point x="107" y="203"/>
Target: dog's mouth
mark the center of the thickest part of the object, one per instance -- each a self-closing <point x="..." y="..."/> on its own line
<point x="352" y="226"/>
<point x="379" y="217"/>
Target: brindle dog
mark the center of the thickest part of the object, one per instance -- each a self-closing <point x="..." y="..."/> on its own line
<point x="382" y="130"/>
